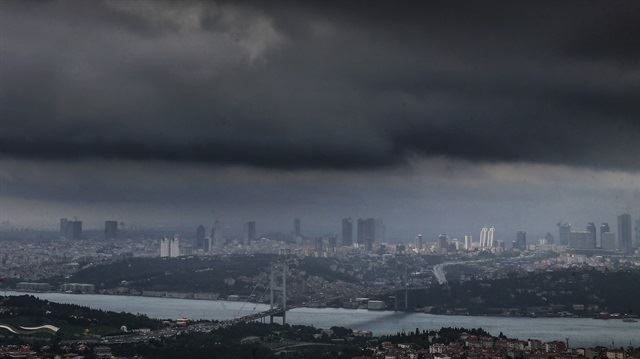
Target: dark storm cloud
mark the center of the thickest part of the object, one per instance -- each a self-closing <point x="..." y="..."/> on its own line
<point x="342" y="85"/>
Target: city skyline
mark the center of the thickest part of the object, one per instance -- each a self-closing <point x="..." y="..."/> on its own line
<point x="528" y="126"/>
<point x="317" y="179"/>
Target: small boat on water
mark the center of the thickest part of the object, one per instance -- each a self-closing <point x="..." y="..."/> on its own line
<point x="630" y="320"/>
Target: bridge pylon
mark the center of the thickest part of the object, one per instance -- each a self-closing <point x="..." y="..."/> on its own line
<point x="278" y="283"/>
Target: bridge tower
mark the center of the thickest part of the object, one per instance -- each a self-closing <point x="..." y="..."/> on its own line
<point x="278" y="275"/>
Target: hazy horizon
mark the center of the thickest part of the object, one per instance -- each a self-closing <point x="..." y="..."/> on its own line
<point x="438" y="118"/>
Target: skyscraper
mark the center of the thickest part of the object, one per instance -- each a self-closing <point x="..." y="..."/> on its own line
<point x="443" y="242"/>
<point x="215" y="238"/>
<point x="637" y="229"/>
<point x="201" y="242"/>
<point x="521" y="241"/>
<point x="491" y="238"/>
<point x="250" y="232"/>
<point x="563" y="233"/>
<point x="624" y="233"/>
<point x="468" y="242"/>
<point x="347" y="232"/>
<point x="76" y="229"/>
<point x="419" y="242"/>
<point x="592" y="241"/>
<point x="170" y="247"/>
<point x="604" y="228"/>
<point x="110" y="229"/>
<point x="70" y="229"/>
<point x="366" y="235"/>
<point x="483" y="237"/>
<point x="64" y="227"/>
<point x="297" y="230"/>
<point x="379" y="231"/>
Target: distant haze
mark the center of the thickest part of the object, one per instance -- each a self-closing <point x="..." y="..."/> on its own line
<point x="439" y="118"/>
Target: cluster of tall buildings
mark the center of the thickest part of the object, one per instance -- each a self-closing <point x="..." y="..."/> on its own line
<point x="621" y="241"/>
<point x="488" y="242"/>
<point x="488" y="238"/>
<point x="72" y="229"/>
<point x="369" y="231"/>
<point x="207" y="243"/>
<point x="170" y="247"/>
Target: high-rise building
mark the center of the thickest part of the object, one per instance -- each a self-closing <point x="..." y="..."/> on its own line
<point x="548" y="238"/>
<point x="215" y="237"/>
<point x="366" y="235"/>
<point x="624" y="233"/>
<point x="170" y="247"/>
<point x="76" y="229"/>
<point x="347" y="232"/>
<point x="419" y="242"/>
<point x="70" y="229"/>
<point x="297" y="229"/>
<point x="379" y="231"/>
<point x="250" y="232"/>
<point x="637" y="236"/>
<point x="491" y="238"/>
<point x="579" y="239"/>
<point x="468" y="242"/>
<point x="487" y="237"/>
<point x="110" y="229"/>
<point x="604" y="228"/>
<point x="443" y="242"/>
<point x="483" y="237"/>
<point x="608" y="241"/>
<point x="563" y="233"/>
<point x="592" y="241"/>
<point x="201" y="241"/>
<point x="64" y="227"/>
<point x="521" y="241"/>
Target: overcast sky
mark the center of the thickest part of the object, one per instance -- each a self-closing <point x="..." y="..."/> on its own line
<point x="441" y="117"/>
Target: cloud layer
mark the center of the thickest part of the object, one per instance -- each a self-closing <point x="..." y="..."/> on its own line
<point x="321" y="85"/>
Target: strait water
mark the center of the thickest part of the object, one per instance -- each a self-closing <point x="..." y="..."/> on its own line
<point x="580" y="331"/>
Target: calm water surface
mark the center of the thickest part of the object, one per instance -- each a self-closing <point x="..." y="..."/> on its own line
<point x="580" y="331"/>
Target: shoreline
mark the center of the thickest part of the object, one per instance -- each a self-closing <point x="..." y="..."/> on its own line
<point x="34" y="293"/>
